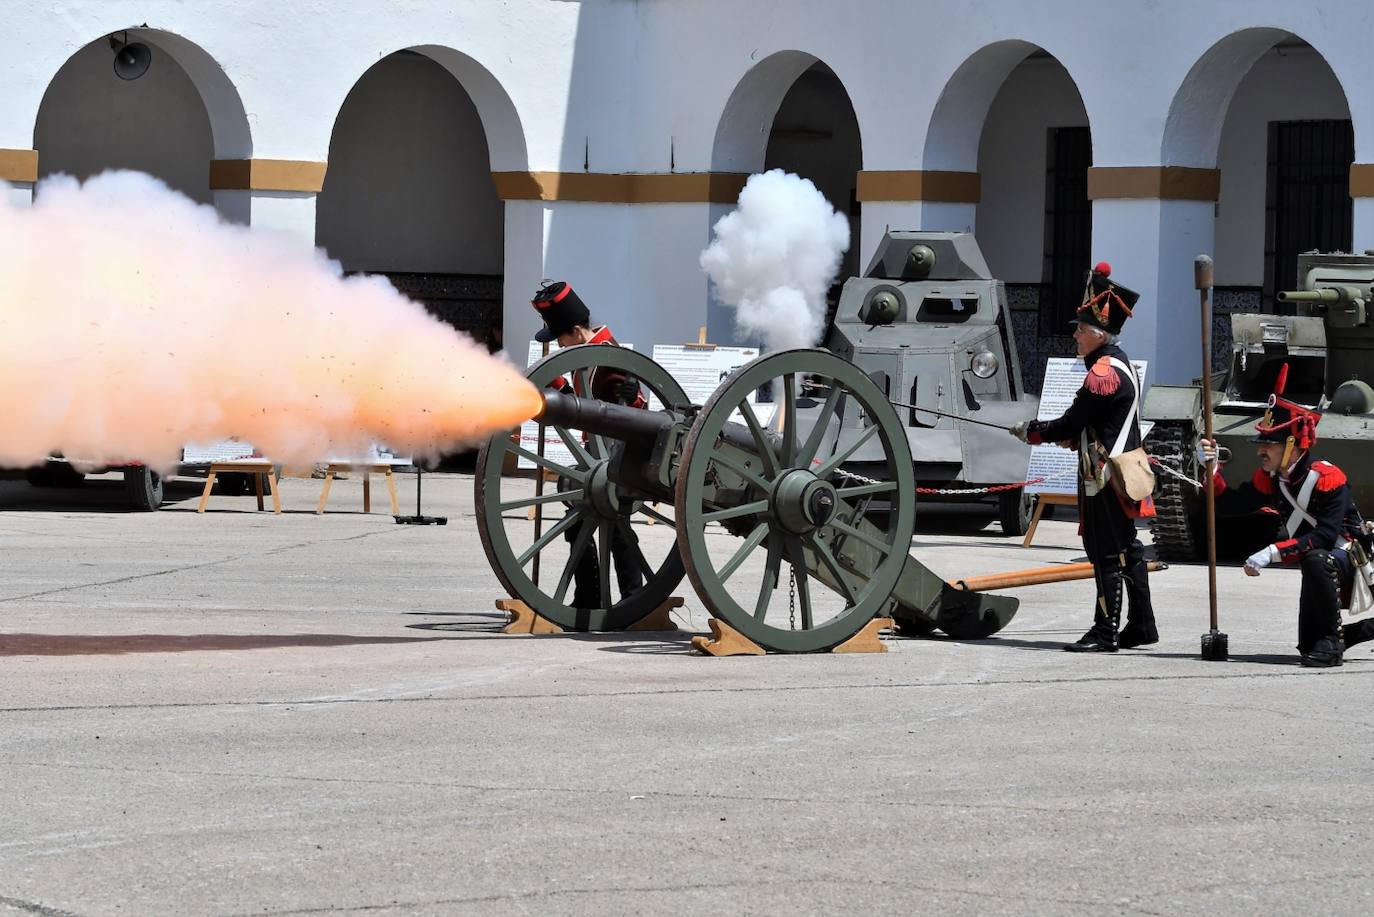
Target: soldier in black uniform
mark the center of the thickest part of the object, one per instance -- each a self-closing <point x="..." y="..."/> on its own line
<point x="1104" y="420"/>
<point x="1320" y="521"/>
<point x="568" y="321"/>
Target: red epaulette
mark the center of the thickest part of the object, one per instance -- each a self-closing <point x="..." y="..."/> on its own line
<point x="1263" y="481"/>
<point x="1103" y="379"/>
<point x="1329" y="477"/>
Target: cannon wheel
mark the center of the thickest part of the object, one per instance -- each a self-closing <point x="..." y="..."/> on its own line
<point x="849" y="394"/>
<point x="497" y="518"/>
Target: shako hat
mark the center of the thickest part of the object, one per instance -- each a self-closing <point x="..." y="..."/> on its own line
<point x="561" y="310"/>
<point x="1106" y="303"/>
<point x="1286" y="422"/>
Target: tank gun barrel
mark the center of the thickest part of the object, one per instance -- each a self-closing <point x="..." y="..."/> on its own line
<point x="1327" y="295"/>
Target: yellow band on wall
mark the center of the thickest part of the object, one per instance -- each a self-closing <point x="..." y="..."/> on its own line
<point x="625" y="188"/>
<point x="267" y="175"/>
<point x="19" y="165"/>
<point x="1164" y="183"/>
<point x="926" y="185"/>
<point x="1361" y="179"/>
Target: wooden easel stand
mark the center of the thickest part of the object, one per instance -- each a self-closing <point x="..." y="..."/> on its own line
<point x="258" y="470"/>
<point x="1041" y="501"/>
<point x="368" y="470"/>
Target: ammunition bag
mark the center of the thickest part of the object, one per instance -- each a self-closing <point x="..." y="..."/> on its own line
<point x="1131" y="475"/>
<point x="1129" y="472"/>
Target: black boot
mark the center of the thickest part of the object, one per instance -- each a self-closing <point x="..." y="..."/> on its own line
<point x="1140" y="627"/>
<point x="1325" y="653"/>
<point x="1136" y="634"/>
<point x="1358" y="632"/>
<point x="1101" y="637"/>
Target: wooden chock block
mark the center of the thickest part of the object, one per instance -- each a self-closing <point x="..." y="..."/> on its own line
<point x="866" y="640"/>
<point x="660" y="618"/>
<point x="524" y="619"/>
<point x="726" y="641"/>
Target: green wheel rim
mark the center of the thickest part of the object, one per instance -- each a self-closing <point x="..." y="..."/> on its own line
<point x="497" y="518"/>
<point x="851" y="395"/>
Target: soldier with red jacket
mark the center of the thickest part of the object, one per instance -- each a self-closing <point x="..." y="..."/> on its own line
<point x="1104" y="419"/>
<point x="567" y="320"/>
<point x="1320" y="522"/>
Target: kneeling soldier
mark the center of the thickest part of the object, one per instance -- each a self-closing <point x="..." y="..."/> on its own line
<point x="1320" y="520"/>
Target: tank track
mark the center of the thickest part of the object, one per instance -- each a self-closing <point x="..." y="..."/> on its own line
<point x="1173" y="526"/>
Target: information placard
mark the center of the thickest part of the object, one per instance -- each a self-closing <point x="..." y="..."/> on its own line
<point x="226" y="450"/>
<point x="1063" y="378"/>
<point x="376" y="454"/>
<point x="699" y="370"/>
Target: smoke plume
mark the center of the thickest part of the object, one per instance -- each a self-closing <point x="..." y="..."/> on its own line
<point x="775" y="256"/>
<point x="133" y="322"/>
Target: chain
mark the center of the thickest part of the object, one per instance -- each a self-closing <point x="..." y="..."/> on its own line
<point x="791" y="597"/>
<point x="1173" y="472"/>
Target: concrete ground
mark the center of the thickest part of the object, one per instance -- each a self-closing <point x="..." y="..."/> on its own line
<point x="236" y="713"/>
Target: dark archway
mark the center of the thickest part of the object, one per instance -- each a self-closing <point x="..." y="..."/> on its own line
<point x="1266" y="110"/>
<point x="409" y="191"/>
<point x="170" y="122"/>
<point x="1013" y="114"/>
<point x="815" y="134"/>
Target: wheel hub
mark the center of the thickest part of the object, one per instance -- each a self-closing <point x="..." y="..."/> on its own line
<point x="801" y="502"/>
<point x="601" y="493"/>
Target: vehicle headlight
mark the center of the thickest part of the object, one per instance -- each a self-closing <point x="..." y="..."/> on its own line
<point x="984" y="364"/>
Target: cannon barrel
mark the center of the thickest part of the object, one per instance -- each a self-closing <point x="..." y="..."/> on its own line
<point x="626" y="424"/>
<point x="1329" y="295"/>
<point x="603" y="418"/>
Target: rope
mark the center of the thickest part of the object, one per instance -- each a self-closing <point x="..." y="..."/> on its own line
<point x="965" y="491"/>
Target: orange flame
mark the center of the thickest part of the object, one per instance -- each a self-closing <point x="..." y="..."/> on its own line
<point x="124" y="341"/>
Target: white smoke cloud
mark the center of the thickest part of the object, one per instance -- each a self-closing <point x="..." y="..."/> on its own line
<point x="775" y="256"/>
<point x="133" y="322"/>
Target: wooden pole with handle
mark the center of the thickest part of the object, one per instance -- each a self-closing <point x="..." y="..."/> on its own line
<point x="1214" y="643"/>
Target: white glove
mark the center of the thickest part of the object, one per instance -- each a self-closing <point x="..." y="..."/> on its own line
<point x="1019" y="430"/>
<point x="1206" y="451"/>
<point x="1261" y="559"/>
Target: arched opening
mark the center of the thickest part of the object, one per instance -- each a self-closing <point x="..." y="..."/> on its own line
<point x="1264" y="108"/>
<point x="409" y="192"/>
<point x="1013" y="114"/>
<point x="792" y="112"/>
<point x="815" y="134"/>
<point x="1286" y="146"/>
<point x="170" y="122"/>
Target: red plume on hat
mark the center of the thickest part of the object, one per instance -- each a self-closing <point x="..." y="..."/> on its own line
<point x="1286" y="420"/>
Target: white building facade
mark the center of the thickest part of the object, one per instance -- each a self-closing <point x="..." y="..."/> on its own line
<point x="470" y="148"/>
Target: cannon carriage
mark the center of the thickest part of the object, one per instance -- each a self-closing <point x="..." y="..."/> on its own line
<point x="752" y="503"/>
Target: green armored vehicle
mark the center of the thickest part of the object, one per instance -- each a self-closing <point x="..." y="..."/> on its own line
<point x="929" y="324"/>
<point x="1329" y="348"/>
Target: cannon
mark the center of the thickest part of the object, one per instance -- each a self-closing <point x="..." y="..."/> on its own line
<point x="750" y="498"/>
